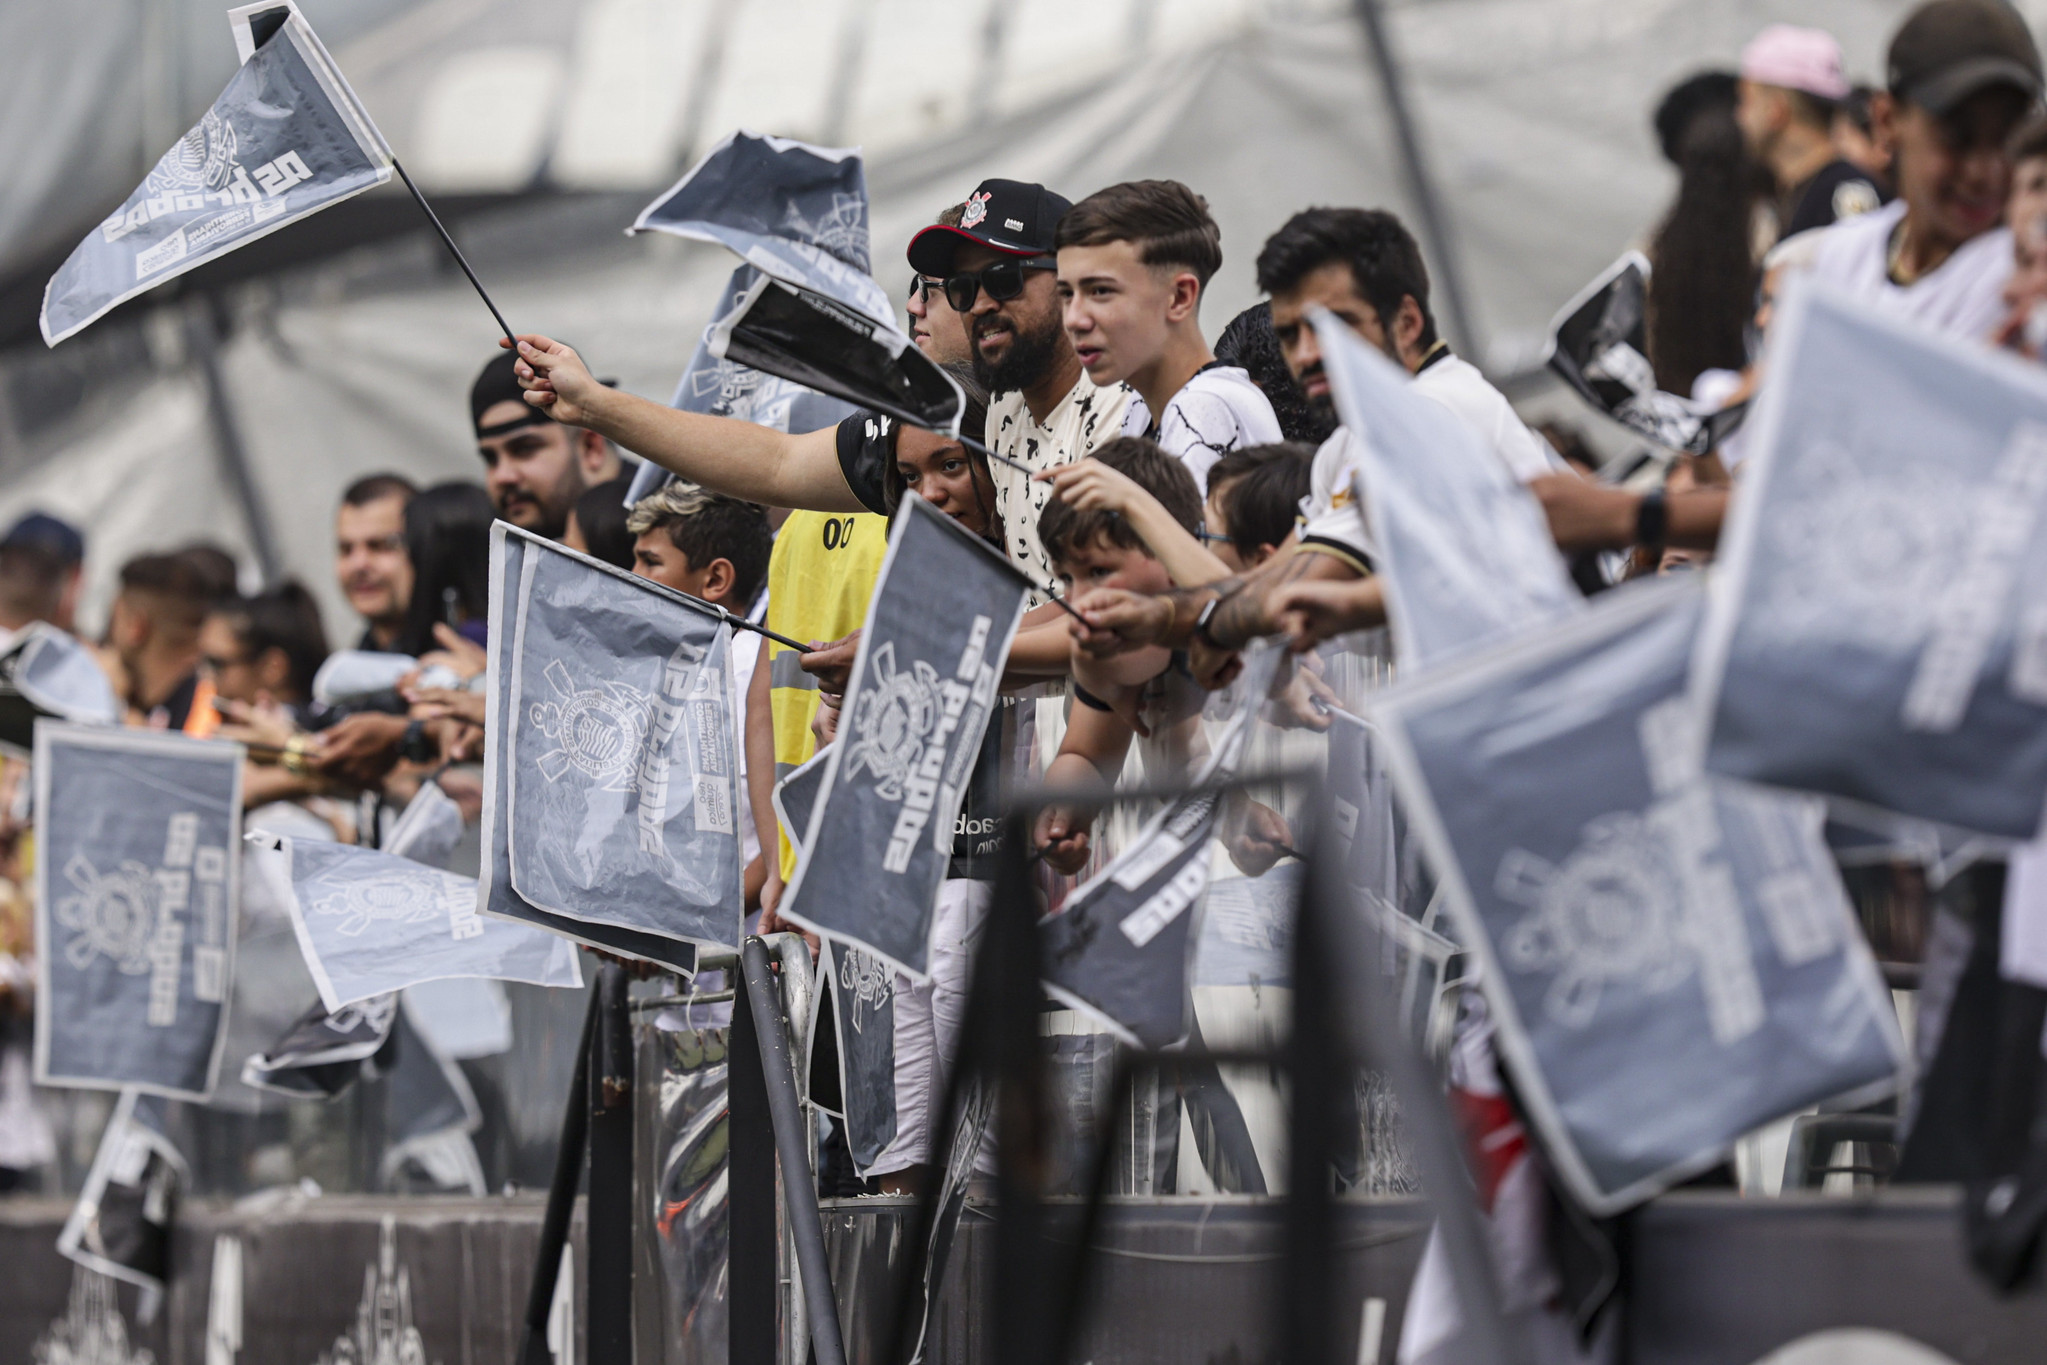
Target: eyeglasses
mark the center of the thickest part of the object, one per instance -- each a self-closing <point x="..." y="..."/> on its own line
<point x="921" y="287"/>
<point x="1003" y="280"/>
<point x="1208" y="537"/>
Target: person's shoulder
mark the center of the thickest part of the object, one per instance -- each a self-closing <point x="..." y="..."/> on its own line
<point x="1850" y="191"/>
<point x="1848" y="243"/>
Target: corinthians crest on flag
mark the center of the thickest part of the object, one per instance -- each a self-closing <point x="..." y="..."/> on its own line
<point x="1672" y="962"/>
<point x="138" y="842"/>
<point x="369" y="923"/>
<point x="611" y="775"/>
<point x="938" y="631"/>
<point x="286" y="138"/>
<point x="1881" y="639"/>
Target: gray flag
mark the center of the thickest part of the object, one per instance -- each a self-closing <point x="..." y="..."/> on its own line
<point x="284" y="140"/>
<point x="370" y="923"/>
<point x="938" y="631"/>
<point x="600" y="702"/>
<point x="1361" y="809"/>
<point x="863" y="991"/>
<point x="1599" y="346"/>
<point x="1882" y="637"/>
<point x="1463" y="548"/>
<point x="45" y="672"/>
<point x="429" y="1112"/>
<point x="1673" y="962"/>
<point x="138" y="844"/>
<point x="1122" y="946"/>
<point x="121" y="1224"/>
<point x="795" y="797"/>
<point x="428" y="830"/>
<point x="323" y="1051"/>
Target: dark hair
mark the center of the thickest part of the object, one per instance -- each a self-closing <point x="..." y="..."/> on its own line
<point x="1856" y="108"/>
<point x="376" y="487"/>
<point x="600" y="516"/>
<point x="707" y="526"/>
<point x="1696" y="94"/>
<point x="1702" y="289"/>
<point x="950" y="215"/>
<point x="216" y="568"/>
<point x="31" y="582"/>
<point x="1815" y="111"/>
<point x="1249" y="343"/>
<point x="2029" y="140"/>
<point x="1064" y="530"/>
<point x="286" y="618"/>
<point x="973" y="425"/>
<point x="1168" y="223"/>
<point x="183" y="585"/>
<point x="1385" y="261"/>
<point x="447" y="537"/>
<point x="1260" y="489"/>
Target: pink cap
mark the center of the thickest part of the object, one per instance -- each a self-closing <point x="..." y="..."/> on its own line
<point x="1796" y="58"/>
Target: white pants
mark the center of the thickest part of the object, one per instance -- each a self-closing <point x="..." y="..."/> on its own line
<point x="928" y="1018"/>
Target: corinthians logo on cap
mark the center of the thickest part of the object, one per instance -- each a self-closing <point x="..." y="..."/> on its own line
<point x="976" y="212"/>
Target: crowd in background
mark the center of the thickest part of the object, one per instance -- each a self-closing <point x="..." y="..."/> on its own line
<point x="1187" y="498"/>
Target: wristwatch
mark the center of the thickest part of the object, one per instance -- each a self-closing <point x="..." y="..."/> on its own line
<point x="1651" y="519"/>
<point x="1201" y="624"/>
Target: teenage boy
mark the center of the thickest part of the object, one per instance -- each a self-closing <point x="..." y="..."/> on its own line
<point x="1134" y="260"/>
<point x="998" y="266"/>
<point x="1791" y="84"/>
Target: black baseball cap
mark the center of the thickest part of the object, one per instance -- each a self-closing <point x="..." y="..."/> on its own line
<point x="40" y="531"/>
<point x="498" y="384"/>
<point x="1009" y="216"/>
<point x="1950" y="49"/>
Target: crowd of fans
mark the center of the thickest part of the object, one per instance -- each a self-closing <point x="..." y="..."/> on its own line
<point x="1185" y="499"/>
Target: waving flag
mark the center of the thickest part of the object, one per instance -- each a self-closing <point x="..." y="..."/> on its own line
<point x="121" y="1224"/>
<point x="324" y="1050"/>
<point x="1463" y="547"/>
<point x="138" y="844"/>
<point x="1671" y="963"/>
<point x="920" y="696"/>
<point x="45" y="672"/>
<point x="286" y="139"/>
<point x="1881" y="639"/>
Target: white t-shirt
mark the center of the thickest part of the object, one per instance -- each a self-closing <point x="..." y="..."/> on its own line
<point x="746" y="657"/>
<point x="1218" y="410"/>
<point x="1086" y="417"/>
<point x="1963" y="297"/>
<point x="1331" y="519"/>
<point x="1457" y="385"/>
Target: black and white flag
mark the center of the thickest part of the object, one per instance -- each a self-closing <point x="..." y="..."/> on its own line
<point x="121" y="1224"/>
<point x="805" y="308"/>
<point x="1672" y="962"/>
<point x="138" y="851"/>
<point x="370" y="923"/>
<point x="795" y="797"/>
<point x="1462" y="546"/>
<point x="1122" y="947"/>
<point x="46" y="673"/>
<point x="1599" y="346"/>
<point x="610" y="776"/>
<point x="863" y="991"/>
<point x="1879" y="636"/>
<point x="324" y="1051"/>
<point x="430" y="1110"/>
<point x="286" y="139"/>
<point x="944" y="612"/>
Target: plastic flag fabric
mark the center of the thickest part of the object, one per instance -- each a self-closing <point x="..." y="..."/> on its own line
<point x="121" y="1224"/>
<point x="286" y="138"/>
<point x="138" y="839"/>
<point x="1878" y="635"/>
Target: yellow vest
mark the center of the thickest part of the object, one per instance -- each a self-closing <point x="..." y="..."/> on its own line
<point x="820" y="578"/>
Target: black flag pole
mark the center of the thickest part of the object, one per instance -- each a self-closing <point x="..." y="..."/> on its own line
<point x="455" y="251"/>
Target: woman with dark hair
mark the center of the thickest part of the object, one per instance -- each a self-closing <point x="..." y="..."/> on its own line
<point x="944" y="472"/>
<point x="267" y="645"/>
<point x="1703" y="255"/>
<point x="447" y="536"/>
<point x="1248" y="343"/>
<point x="597" y="523"/>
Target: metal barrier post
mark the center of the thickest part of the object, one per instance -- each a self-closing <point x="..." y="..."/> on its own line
<point x="561" y="1199"/>
<point x="608" y="1258"/>
<point x="750" y="1265"/>
<point x="799" y="1184"/>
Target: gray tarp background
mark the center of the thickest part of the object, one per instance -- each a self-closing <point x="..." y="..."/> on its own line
<point x="138" y="842"/>
<point x="1880" y="637"/>
<point x="1669" y="968"/>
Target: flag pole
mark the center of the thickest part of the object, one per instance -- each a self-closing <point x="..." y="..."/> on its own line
<point x="455" y="251"/>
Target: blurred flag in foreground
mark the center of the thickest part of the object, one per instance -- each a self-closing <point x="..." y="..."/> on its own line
<point x="284" y="140"/>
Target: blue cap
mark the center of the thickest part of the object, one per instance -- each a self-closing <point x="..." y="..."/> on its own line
<point x="41" y="531"/>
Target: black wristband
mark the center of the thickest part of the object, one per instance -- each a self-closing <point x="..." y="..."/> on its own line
<point x="1652" y="519"/>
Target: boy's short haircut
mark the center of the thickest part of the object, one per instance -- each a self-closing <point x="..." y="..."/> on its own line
<point x="2029" y="142"/>
<point x="1168" y="223"/>
<point x="1260" y="489"/>
<point x="1065" y="530"/>
<point x="707" y="526"/>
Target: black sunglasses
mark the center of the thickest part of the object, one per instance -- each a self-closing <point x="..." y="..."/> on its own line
<point x="1003" y="280"/>
<point x="921" y="287"/>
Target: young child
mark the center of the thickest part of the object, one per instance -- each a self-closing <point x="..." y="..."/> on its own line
<point x="1254" y="502"/>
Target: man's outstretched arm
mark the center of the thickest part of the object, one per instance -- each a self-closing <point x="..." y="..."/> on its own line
<point x="725" y="455"/>
<point x="1585" y="515"/>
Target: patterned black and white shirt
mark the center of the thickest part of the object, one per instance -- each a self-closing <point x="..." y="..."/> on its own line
<point x="1217" y="411"/>
<point x="1085" y="418"/>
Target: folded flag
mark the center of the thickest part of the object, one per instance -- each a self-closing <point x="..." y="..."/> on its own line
<point x="138" y="840"/>
<point x="323" y="1051"/>
<point x="1671" y="962"/>
<point x="286" y="138"/>
<point x="1878" y="635"/>
<point x="121" y="1224"/>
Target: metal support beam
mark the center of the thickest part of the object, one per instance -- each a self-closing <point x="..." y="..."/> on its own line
<point x="561" y="1199"/>
<point x="608" y="1258"/>
<point x="750" y="1264"/>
